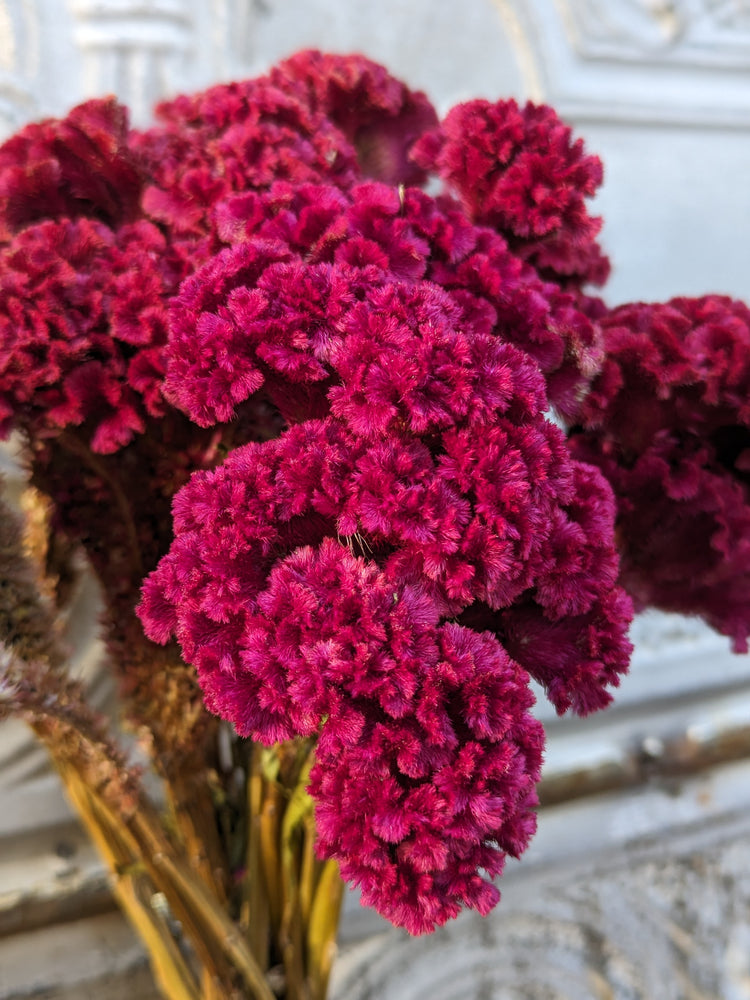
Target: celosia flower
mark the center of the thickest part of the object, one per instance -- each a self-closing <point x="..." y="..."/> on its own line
<point x="421" y="805"/>
<point x="668" y="422"/>
<point x="82" y="328"/>
<point x="377" y="113"/>
<point x="436" y="463"/>
<point x="280" y="304"/>
<point x="76" y="166"/>
<point x="231" y="138"/>
<point x="518" y="170"/>
<point x="407" y="535"/>
<point x="464" y="488"/>
<point x="434" y="717"/>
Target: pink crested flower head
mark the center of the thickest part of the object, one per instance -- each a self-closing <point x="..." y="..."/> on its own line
<point x="233" y="138"/>
<point x="519" y="171"/>
<point x="83" y="329"/>
<point x="421" y="807"/>
<point x="410" y="538"/>
<point x="432" y="717"/>
<point x="313" y="273"/>
<point x="75" y="166"/>
<point x="377" y="113"/>
<point x="444" y="466"/>
<point x="668" y="422"/>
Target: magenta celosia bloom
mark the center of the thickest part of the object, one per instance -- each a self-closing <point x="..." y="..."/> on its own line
<point x="427" y="758"/>
<point x="281" y="305"/>
<point x="312" y="577"/>
<point x="377" y="113"/>
<point x="422" y="804"/>
<point x="84" y="281"/>
<point x="231" y="138"/>
<point x="406" y="537"/>
<point x="79" y="165"/>
<point x="83" y="328"/>
<point x="525" y="537"/>
<point x="325" y="304"/>
<point x="668" y="422"/>
<point x="519" y="171"/>
<point x="315" y="117"/>
<point x="432" y="716"/>
<point x="291" y="630"/>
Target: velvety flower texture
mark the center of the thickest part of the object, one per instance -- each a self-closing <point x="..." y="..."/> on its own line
<point x="407" y="536"/>
<point x="233" y="137"/>
<point x="454" y="773"/>
<point x="315" y="579"/>
<point x="315" y="117"/>
<point x="273" y="307"/>
<point x="82" y="328"/>
<point x="668" y="422"/>
<point x="519" y="171"/>
<point x="83" y="281"/>
<point x="324" y="637"/>
<point x="377" y="113"/>
<point x="79" y="165"/>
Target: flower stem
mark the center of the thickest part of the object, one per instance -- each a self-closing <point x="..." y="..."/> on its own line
<point x="134" y="892"/>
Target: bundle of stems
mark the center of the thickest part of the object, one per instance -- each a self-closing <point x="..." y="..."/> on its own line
<point x="220" y="881"/>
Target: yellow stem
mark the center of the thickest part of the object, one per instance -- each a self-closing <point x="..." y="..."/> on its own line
<point x="254" y="912"/>
<point x="292" y="928"/>
<point x="214" y="932"/>
<point x="213" y="935"/>
<point x="308" y="869"/>
<point x="269" y="824"/>
<point x="322" y="929"/>
<point x="171" y="972"/>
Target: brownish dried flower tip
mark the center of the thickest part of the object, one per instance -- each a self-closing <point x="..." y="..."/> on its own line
<point x="26" y="623"/>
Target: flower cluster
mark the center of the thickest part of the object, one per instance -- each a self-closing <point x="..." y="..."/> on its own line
<point x="455" y="773"/>
<point x="291" y="631"/>
<point x="231" y="138"/>
<point x="518" y="170"/>
<point x="377" y="113"/>
<point x="399" y="535"/>
<point x="668" y="422"/>
<point x="99" y="225"/>
<point x="83" y="282"/>
<point x="315" y="579"/>
<point x="277" y="305"/>
<point x="314" y="118"/>
<point x="76" y="166"/>
<point x="82" y="328"/>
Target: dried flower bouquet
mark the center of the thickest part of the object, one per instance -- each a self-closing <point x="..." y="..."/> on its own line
<point x="296" y="412"/>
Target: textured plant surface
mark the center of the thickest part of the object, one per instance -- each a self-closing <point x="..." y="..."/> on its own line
<point x="668" y="422"/>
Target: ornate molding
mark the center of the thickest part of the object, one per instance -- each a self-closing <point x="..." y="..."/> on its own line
<point x="618" y="902"/>
<point x="19" y="63"/>
<point x="713" y="33"/>
<point x="661" y="61"/>
<point x="138" y="50"/>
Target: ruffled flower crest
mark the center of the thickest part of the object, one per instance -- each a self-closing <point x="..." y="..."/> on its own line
<point x="398" y="536"/>
<point x="519" y="171"/>
<point x="668" y="423"/>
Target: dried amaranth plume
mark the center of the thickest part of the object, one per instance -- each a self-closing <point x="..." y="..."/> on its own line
<point x="27" y="625"/>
